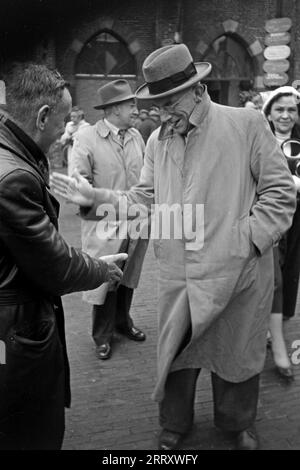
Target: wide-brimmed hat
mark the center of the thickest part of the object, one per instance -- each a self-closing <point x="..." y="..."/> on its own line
<point x="169" y="70"/>
<point x="275" y="94"/>
<point x="113" y="93"/>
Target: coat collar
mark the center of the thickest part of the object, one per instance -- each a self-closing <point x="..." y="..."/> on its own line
<point x="17" y="141"/>
<point x="103" y="130"/>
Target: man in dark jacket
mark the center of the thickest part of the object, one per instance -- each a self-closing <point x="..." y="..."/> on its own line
<point x="36" y="264"/>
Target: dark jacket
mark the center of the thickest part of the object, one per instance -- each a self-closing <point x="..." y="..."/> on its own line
<point x="36" y="267"/>
<point x="288" y="257"/>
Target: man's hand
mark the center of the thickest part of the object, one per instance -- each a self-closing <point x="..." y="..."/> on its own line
<point x="73" y="188"/>
<point x="114" y="272"/>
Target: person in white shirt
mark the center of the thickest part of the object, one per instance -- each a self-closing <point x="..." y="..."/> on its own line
<point x="76" y="122"/>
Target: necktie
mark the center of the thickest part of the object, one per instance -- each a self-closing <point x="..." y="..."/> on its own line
<point x="122" y="135"/>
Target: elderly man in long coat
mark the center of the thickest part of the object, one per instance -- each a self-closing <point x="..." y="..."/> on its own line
<point x="110" y="155"/>
<point x="223" y="167"/>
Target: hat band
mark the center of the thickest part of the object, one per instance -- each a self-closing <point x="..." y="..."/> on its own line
<point x="168" y="83"/>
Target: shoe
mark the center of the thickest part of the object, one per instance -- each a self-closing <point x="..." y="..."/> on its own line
<point x="103" y="351"/>
<point x="285" y="372"/>
<point x="134" y="334"/>
<point x="169" y="440"/>
<point x="247" y="440"/>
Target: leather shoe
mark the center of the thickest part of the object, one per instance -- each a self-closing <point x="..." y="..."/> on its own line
<point x="247" y="440"/>
<point x="285" y="372"/>
<point x="134" y="333"/>
<point x="169" y="440"/>
<point x="103" y="351"/>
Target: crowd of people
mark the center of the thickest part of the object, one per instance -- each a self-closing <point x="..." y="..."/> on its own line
<point x="223" y="288"/>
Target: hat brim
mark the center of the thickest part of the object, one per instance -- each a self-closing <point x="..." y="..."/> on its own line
<point x="102" y="106"/>
<point x="203" y="69"/>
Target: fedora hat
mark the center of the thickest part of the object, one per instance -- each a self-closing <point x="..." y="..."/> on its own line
<point x="113" y="93"/>
<point x="168" y="70"/>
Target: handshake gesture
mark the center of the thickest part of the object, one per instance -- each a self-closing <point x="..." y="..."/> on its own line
<point x="73" y="188"/>
<point x="114" y="274"/>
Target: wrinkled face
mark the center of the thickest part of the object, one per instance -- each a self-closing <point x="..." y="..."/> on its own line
<point x="284" y="114"/>
<point x="176" y="109"/>
<point x="55" y="123"/>
<point x="126" y="115"/>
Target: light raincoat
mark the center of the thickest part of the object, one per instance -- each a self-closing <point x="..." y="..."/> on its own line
<point x="220" y="290"/>
<point x="99" y="156"/>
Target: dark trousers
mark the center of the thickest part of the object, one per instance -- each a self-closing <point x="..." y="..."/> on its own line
<point x="235" y="404"/>
<point x="113" y="314"/>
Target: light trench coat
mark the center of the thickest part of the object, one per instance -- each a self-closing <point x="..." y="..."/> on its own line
<point x="99" y="156"/>
<point x="221" y="292"/>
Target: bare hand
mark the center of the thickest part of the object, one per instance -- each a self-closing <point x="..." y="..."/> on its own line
<point x="114" y="274"/>
<point x="73" y="188"/>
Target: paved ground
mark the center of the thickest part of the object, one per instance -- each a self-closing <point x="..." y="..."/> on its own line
<point x="112" y="407"/>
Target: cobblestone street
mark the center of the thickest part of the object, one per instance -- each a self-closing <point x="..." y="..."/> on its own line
<point x="112" y="407"/>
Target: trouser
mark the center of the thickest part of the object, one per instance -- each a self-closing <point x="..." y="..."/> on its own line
<point x="113" y="314"/>
<point x="235" y="404"/>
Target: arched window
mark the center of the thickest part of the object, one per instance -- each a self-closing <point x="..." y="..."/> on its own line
<point x="105" y="55"/>
<point x="232" y="69"/>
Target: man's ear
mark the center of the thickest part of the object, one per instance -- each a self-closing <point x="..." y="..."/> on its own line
<point x="199" y="90"/>
<point x="42" y="117"/>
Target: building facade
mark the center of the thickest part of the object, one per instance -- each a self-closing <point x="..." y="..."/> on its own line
<point x="94" y="41"/>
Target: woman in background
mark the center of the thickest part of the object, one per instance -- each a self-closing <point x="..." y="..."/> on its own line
<point x="281" y="110"/>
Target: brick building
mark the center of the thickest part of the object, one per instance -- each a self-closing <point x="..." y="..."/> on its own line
<point x="92" y="41"/>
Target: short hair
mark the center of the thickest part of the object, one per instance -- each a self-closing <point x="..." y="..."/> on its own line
<point x="31" y="86"/>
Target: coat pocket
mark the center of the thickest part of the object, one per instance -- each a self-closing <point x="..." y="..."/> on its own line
<point x="241" y="244"/>
<point x="32" y="338"/>
<point x="34" y="365"/>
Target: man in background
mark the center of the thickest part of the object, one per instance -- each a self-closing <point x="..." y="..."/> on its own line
<point x="110" y="154"/>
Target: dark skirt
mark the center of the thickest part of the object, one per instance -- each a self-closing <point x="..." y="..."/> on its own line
<point x="287" y="269"/>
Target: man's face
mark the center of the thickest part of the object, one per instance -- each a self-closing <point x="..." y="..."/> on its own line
<point x="55" y="124"/>
<point x="176" y="109"/>
<point x="284" y="114"/>
<point x="126" y="116"/>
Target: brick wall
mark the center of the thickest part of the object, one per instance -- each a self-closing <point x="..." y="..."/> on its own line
<point x="147" y="24"/>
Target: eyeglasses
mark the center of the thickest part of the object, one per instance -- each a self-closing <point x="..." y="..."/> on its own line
<point x="171" y="108"/>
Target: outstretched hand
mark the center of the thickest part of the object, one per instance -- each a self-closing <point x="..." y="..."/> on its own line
<point x="114" y="274"/>
<point x="73" y="188"/>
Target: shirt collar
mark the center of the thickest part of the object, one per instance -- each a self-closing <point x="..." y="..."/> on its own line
<point x="111" y="126"/>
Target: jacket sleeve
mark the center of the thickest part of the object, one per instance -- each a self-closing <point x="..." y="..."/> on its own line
<point x="35" y="245"/>
<point x="141" y="194"/>
<point x="272" y="214"/>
